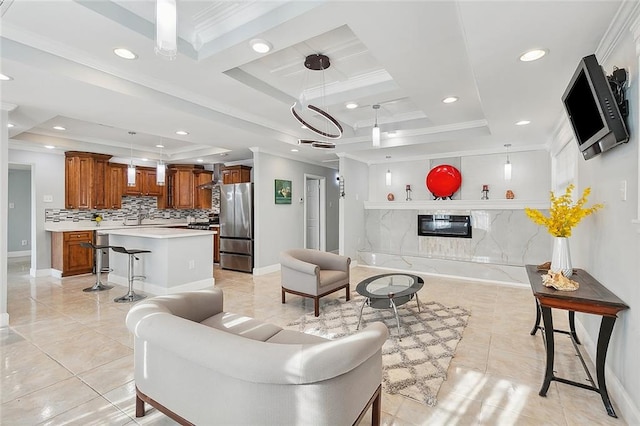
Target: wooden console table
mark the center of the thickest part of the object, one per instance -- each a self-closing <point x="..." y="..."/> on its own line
<point x="591" y="298"/>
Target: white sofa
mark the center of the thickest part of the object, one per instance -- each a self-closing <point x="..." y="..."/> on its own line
<point x="201" y="365"/>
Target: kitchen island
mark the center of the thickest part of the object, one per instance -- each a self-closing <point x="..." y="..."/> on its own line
<point x="180" y="259"/>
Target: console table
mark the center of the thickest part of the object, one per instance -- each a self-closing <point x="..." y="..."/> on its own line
<point x="591" y="298"/>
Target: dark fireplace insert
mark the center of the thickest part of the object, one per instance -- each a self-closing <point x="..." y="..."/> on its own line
<point x="444" y="225"/>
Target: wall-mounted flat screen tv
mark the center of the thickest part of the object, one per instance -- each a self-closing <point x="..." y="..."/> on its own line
<point x="593" y="109"/>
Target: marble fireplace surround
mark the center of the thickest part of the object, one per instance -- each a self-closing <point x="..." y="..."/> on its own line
<point x="503" y="240"/>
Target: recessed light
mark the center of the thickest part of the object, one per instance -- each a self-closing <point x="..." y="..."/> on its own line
<point x="259" y="45"/>
<point x="144" y="159"/>
<point x="49" y="146"/>
<point x="5" y="77"/>
<point x="124" y="53"/>
<point x="182" y="133"/>
<point x="294" y="150"/>
<point x="199" y="160"/>
<point x="10" y="125"/>
<point x="392" y="133"/>
<point x="159" y="146"/>
<point x="59" y="128"/>
<point x="450" y="100"/>
<point x="532" y="55"/>
<point x="523" y="122"/>
<point x="351" y="105"/>
<point x="223" y="154"/>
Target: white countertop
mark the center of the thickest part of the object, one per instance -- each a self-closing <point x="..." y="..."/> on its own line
<point x="107" y="225"/>
<point x="157" y="232"/>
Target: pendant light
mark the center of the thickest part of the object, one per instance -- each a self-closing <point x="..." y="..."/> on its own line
<point x="388" y="174"/>
<point x="160" y="169"/>
<point x="375" y="133"/>
<point x="131" y="170"/>
<point x="166" y="29"/>
<point x="507" y="165"/>
<point x="316" y="62"/>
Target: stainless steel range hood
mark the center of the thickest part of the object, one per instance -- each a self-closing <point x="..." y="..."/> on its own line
<point x="215" y="178"/>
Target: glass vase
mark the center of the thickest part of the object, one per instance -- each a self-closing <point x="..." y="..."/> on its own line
<point x="561" y="259"/>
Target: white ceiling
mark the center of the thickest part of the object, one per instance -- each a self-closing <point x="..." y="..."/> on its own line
<point x="406" y="56"/>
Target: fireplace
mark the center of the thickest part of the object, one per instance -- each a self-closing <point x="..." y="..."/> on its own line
<point x="444" y="225"/>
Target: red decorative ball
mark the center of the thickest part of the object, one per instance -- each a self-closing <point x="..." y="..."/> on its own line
<point x="443" y="180"/>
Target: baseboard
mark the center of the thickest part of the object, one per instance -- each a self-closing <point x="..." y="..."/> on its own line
<point x="160" y="290"/>
<point x="41" y="272"/>
<point x="19" y="253"/>
<point x="4" y="319"/>
<point x="626" y="405"/>
<point x="266" y="269"/>
<point x="56" y="273"/>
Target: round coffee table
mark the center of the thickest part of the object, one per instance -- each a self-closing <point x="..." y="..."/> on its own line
<point x="388" y="291"/>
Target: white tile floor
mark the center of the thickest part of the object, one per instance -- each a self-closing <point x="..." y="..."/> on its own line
<point x="67" y="356"/>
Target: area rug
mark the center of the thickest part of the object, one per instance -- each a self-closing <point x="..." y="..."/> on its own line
<point x="414" y="365"/>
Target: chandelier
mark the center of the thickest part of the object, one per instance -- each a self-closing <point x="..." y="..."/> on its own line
<point x="317" y="62"/>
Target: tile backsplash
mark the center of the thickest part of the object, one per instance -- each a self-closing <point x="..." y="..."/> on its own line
<point x="132" y="206"/>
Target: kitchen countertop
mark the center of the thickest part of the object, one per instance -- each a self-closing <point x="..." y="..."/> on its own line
<point x="158" y="232"/>
<point x="106" y="225"/>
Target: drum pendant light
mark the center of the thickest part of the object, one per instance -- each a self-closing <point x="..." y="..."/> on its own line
<point x="131" y="170"/>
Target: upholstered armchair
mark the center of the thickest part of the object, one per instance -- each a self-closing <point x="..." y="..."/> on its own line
<point x="314" y="274"/>
<point x="201" y="365"/>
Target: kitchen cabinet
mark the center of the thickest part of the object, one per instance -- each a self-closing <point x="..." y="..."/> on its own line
<point x="236" y="174"/>
<point x="182" y="191"/>
<point x="145" y="182"/>
<point x="202" y="196"/>
<point x="216" y="245"/>
<point x="85" y="180"/>
<point x="116" y="181"/>
<point x="68" y="256"/>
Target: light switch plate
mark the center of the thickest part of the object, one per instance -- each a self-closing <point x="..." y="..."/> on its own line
<point x="48" y="198"/>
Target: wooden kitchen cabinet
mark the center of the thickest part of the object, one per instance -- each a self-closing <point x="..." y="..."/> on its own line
<point x="202" y="196"/>
<point x="68" y="256"/>
<point x="216" y="245"/>
<point x="182" y="191"/>
<point x="236" y="174"/>
<point x="116" y="176"/>
<point x="85" y="180"/>
<point x="145" y="182"/>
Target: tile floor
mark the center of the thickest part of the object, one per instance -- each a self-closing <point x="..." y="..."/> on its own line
<point x="67" y="356"/>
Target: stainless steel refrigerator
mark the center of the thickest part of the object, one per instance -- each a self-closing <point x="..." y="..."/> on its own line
<point x="236" y="227"/>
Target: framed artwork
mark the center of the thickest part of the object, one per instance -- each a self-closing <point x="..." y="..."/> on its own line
<point x="283" y="191"/>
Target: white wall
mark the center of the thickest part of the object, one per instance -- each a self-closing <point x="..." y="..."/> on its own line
<point x="352" y="223"/>
<point x="281" y="226"/>
<point x="531" y="177"/>
<point x="607" y="244"/>
<point x="47" y="179"/>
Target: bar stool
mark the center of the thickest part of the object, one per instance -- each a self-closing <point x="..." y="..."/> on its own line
<point x="131" y="296"/>
<point x="98" y="286"/>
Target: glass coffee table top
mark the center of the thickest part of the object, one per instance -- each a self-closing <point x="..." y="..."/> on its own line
<point x="388" y="291"/>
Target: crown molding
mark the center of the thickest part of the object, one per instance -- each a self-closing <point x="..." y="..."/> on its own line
<point x="626" y="19"/>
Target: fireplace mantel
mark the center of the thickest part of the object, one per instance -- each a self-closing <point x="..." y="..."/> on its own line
<point x="457" y="205"/>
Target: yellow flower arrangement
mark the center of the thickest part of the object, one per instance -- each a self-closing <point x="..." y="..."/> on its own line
<point x="563" y="214"/>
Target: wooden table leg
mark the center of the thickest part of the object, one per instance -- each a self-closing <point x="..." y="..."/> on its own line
<point x="606" y="327"/>
<point x="549" y="346"/>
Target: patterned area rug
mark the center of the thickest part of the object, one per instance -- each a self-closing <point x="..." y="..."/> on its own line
<point x="414" y="365"/>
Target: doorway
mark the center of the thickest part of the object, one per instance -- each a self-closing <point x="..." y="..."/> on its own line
<point x="314" y="212"/>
